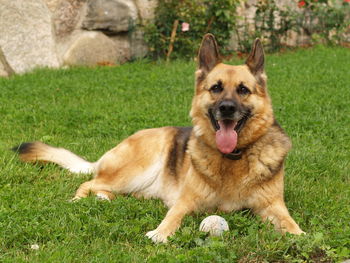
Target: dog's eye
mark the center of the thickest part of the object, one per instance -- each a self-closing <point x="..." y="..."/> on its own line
<point x="242" y="90"/>
<point x="217" y="88"/>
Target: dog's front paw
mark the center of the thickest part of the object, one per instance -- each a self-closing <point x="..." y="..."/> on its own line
<point x="74" y="199"/>
<point x="102" y="197"/>
<point x="157" y="236"/>
<point x="300" y="232"/>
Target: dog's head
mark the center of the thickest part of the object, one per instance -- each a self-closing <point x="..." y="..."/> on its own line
<point x="231" y="103"/>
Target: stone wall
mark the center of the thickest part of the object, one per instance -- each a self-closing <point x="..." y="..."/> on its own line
<point x="5" y="68"/>
<point x="55" y="33"/>
<point x="300" y="35"/>
<point x="26" y="35"/>
<point x="246" y="11"/>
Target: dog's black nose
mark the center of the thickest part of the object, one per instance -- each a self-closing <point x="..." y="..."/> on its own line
<point x="227" y="107"/>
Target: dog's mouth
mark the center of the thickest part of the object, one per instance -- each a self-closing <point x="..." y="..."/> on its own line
<point x="227" y="131"/>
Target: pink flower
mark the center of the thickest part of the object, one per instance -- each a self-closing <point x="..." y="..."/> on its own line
<point x="185" y="26"/>
<point x="346" y="1"/>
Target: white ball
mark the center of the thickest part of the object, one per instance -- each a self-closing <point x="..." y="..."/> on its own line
<point x="34" y="246"/>
<point x="215" y="225"/>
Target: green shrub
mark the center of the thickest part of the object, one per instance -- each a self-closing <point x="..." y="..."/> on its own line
<point x="203" y="16"/>
<point x="271" y="24"/>
<point x="321" y="20"/>
<point x="324" y="21"/>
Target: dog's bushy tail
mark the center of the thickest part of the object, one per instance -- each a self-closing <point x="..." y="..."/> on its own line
<point x="41" y="152"/>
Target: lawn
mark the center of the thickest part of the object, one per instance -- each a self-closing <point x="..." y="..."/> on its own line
<point x="90" y="110"/>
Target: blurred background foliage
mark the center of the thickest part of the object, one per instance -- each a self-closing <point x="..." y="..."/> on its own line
<point x="321" y="21"/>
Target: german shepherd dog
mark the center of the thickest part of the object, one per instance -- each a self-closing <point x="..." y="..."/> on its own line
<point x="232" y="158"/>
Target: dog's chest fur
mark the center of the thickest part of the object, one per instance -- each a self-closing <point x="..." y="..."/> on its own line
<point x="234" y="181"/>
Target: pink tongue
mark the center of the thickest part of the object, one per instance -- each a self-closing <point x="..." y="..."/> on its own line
<point x="226" y="137"/>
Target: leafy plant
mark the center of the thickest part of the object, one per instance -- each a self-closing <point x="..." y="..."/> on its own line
<point x="202" y="16"/>
<point x="271" y="24"/>
<point x="323" y="21"/>
<point x="320" y="20"/>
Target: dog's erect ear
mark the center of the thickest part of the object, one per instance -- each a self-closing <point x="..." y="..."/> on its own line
<point x="256" y="58"/>
<point x="208" y="56"/>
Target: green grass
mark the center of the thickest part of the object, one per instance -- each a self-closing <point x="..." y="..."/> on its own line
<point x="90" y="110"/>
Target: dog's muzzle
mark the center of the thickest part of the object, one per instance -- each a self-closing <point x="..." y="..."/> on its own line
<point x="228" y="119"/>
<point x="228" y="111"/>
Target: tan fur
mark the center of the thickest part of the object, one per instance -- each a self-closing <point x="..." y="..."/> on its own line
<point x="147" y="163"/>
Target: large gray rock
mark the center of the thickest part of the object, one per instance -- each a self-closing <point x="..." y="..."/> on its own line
<point x="91" y="48"/>
<point x="130" y="45"/>
<point x="123" y="47"/>
<point x="138" y="45"/>
<point x="110" y="16"/>
<point x="67" y="16"/>
<point x="26" y="35"/>
<point x="52" y="4"/>
<point x="5" y="68"/>
<point x="146" y="10"/>
<point x="3" y="72"/>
